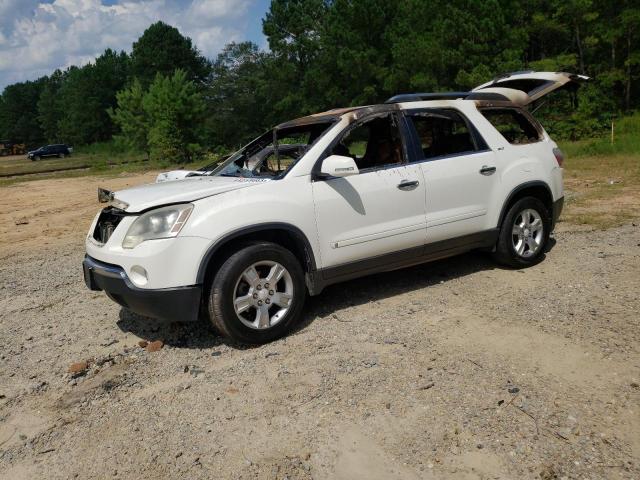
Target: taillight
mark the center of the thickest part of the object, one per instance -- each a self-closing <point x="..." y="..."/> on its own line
<point x="559" y="156"/>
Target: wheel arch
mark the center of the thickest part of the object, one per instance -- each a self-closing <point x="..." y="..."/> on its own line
<point x="283" y="234"/>
<point x="536" y="188"/>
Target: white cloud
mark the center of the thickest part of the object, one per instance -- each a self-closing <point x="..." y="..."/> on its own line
<point x="36" y="38"/>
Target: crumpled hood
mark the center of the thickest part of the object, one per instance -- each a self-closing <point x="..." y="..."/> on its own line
<point x="187" y="190"/>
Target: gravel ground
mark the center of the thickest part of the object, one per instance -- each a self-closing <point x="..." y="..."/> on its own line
<point x="455" y="369"/>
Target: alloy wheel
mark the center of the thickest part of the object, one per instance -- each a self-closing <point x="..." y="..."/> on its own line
<point x="263" y="295"/>
<point x="527" y="233"/>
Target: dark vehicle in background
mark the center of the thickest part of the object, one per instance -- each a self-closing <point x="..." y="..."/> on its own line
<point x="58" y="150"/>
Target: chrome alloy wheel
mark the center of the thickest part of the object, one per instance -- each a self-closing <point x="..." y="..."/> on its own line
<point x="527" y="233"/>
<point x="263" y="295"/>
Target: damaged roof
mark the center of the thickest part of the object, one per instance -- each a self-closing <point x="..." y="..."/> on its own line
<point x="335" y="114"/>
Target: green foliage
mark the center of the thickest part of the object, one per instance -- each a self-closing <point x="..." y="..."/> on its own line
<point x="626" y="141"/>
<point x="239" y="89"/>
<point x="354" y="45"/>
<point x="163" y="120"/>
<point x="19" y="112"/>
<point x="86" y="94"/>
<point x="331" y="53"/>
<point x="293" y="29"/>
<point x="359" y="52"/>
<point x="174" y="108"/>
<point x="131" y="117"/>
<point x="49" y="107"/>
<point x="163" y="49"/>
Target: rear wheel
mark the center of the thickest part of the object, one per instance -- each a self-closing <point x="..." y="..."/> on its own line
<point x="257" y="295"/>
<point x="524" y="233"/>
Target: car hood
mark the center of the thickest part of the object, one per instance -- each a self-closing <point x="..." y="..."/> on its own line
<point x="188" y="190"/>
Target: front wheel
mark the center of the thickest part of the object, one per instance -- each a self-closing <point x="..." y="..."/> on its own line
<point x="257" y="295"/>
<point x="524" y="233"/>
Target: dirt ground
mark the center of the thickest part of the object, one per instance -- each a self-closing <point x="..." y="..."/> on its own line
<point x="457" y="369"/>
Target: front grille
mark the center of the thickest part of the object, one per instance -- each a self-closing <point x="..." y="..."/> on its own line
<point x="108" y="220"/>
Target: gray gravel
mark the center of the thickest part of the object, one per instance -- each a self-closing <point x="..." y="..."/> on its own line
<point x="456" y="369"/>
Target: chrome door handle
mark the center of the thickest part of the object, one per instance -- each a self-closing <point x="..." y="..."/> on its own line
<point x="408" y="184"/>
<point x="485" y="170"/>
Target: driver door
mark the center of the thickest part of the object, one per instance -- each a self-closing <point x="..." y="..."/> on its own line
<point x="377" y="215"/>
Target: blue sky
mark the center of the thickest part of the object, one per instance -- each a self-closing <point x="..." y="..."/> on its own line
<point x="38" y="36"/>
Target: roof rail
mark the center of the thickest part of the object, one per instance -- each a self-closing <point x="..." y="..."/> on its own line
<point x="421" y="97"/>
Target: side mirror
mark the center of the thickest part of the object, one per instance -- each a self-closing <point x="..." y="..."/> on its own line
<point x="339" y="166"/>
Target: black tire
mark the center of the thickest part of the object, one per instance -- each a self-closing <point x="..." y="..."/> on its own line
<point x="222" y="293"/>
<point x="37" y="157"/>
<point x="506" y="253"/>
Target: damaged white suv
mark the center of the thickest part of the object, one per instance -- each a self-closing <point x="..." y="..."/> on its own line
<point x="369" y="189"/>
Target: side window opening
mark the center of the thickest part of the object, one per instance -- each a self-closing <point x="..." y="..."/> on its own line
<point x="287" y="159"/>
<point x="260" y="158"/>
<point x="442" y="133"/>
<point x="372" y="144"/>
<point x="513" y="125"/>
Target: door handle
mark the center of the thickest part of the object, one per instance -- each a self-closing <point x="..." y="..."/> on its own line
<point x="485" y="170"/>
<point x="408" y="184"/>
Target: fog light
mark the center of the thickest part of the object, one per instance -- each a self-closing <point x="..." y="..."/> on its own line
<point x="138" y="275"/>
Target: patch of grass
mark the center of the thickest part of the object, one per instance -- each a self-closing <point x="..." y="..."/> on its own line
<point x="602" y="179"/>
<point x="626" y="140"/>
<point x="22" y="165"/>
<point x="96" y="159"/>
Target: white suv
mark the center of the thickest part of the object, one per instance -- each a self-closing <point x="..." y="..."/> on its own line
<point x="372" y="189"/>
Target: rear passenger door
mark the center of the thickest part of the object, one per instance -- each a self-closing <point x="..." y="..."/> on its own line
<point x="459" y="169"/>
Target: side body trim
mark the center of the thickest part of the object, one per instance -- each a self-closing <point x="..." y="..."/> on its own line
<point x="377" y="236"/>
<point x="401" y="259"/>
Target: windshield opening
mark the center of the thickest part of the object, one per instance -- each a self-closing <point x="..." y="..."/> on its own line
<point x="272" y="154"/>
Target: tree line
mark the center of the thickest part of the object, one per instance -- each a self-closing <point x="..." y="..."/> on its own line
<point x="167" y="99"/>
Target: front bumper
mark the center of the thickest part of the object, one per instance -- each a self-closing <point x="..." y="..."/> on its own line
<point x="557" y="210"/>
<point x="179" y="304"/>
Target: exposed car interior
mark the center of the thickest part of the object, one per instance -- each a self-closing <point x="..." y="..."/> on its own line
<point x="512" y="125"/>
<point x="372" y="144"/>
<point x="442" y="133"/>
<point x="273" y="153"/>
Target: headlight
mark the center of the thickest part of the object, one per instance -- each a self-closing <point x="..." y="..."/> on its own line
<point x="165" y="222"/>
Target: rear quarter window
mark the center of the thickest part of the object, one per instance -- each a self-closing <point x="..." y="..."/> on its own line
<point x="513" y="125"/>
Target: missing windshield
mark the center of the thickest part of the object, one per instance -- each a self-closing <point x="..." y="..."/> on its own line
<point x="274" y="153"/>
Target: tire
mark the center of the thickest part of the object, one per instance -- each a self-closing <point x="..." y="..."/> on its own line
<point x="520" y="243"/>
<point x="236" y="283"/>
<point x="61" y="155"/>
<point x="37" y="157"/>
